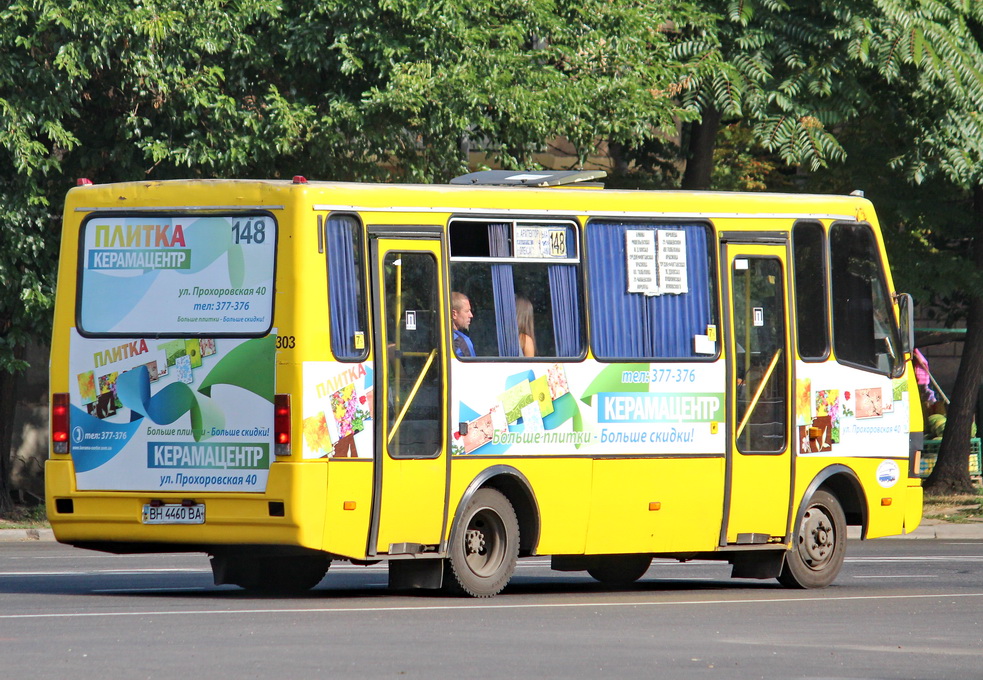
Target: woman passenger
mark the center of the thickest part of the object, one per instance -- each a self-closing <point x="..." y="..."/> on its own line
<point x="527" y="335"/>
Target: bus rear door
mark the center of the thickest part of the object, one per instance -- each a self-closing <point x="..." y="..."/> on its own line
<point x="411" y="387"/>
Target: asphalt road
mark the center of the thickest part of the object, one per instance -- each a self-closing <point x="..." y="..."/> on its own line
<point x="900" y="609"/>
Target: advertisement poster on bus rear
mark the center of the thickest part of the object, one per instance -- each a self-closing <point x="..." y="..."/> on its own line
<point x="174" y="413"/>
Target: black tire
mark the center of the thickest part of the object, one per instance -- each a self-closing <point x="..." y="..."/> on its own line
<point x="484" y="546"/>
<point x="818" y="546"/>
<point x="619" y="570"/>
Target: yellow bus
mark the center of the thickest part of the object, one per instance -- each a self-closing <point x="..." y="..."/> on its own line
<point x="452" y="377"/>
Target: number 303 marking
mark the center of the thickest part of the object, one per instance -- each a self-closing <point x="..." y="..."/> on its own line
<point x="285" y="342"/>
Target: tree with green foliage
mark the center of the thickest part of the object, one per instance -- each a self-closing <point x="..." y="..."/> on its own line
<point x="944" y="123"/>
<point x="355" y="89"/>
<point x="800" y="75"/>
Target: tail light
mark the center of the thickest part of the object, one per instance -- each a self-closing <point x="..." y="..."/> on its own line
<point x="59" y="422"/>
<point x="281" y="424"/>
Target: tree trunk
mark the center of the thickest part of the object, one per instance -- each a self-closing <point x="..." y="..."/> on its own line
<point x="699" y="160"/>
<point x="8" y="400"/>
<point x="951" y="472"/>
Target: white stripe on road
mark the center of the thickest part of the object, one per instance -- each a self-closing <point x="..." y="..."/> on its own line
<point x="489" y="607"/>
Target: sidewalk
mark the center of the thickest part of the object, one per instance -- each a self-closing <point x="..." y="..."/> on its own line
<point x="929" y="529"/>
<point x="10" y="535"/>
<point x="936" y="529"/>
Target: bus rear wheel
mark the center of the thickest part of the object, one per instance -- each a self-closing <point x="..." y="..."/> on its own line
<point x="619" y="570"/>
<point x="819" y="545"/>
<point x="484" y="546"/>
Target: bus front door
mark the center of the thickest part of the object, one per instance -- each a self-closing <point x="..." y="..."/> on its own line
<point x="759" y="462"/>
<point x="410" y="387"/>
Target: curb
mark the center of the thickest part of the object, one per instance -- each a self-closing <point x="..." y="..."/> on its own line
<point x="15" y="535"/>
<point x="935" y="531"/>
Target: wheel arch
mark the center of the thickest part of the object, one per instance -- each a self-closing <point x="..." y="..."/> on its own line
<point x="514" y="485"/>
<point x="845" y="486"/>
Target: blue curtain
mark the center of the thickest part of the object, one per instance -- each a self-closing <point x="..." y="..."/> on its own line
<point x="632" y="325"/>
<point x="344" y="289"/>
<point x="503" y="288"/>
<point x="566" y="309"/>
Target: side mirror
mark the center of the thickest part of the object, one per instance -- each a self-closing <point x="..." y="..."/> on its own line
<point x="906" y="318"/>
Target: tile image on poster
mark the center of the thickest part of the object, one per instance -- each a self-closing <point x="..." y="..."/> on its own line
<point x="173" y="349"/>
<point x="514" y="399"/>
<point x="345" y="447"/>
<point x="348" y="409"/>
<point x="106" y="403"/>
<point x="869" y="403"/>
<point x="87" y="387"/>
<point x="803" y="401"/>
<point x="152" y="371"/>
<point x="103" y="407"/>
<point x="828" y="405"/>
<point x="532" y="418"/>
<point x="817" y="438"/>
<point x="541" y="393"/>
<point x="316" y="434"/>
<point x="480" y="431"/>
<point x="193" y="351"/>
<point x="556" y="377"/>
<point x="499" y="421"/>
<point x="207" y="346"/>
<point x="182" y="365"/>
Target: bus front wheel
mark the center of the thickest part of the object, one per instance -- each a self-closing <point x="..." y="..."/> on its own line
<point x="818" y="546"/>
<point x="484" y="546"/>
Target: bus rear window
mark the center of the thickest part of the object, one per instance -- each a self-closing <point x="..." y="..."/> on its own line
<point x="176" y="275"/>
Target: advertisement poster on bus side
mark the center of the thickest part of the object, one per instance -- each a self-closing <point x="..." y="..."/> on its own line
<point x="337" y="416"/>
<point x="843" y="411"/>
<point x="172" y="414"/>
<point x="589" y="409"/>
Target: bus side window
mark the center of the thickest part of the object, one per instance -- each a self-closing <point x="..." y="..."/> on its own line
<point x="664" y="321"/>
<point x="809" y="271"/>
<point x="523" y="282"/>
<point x="864" y="332"/>
<point x="346" y="287"/>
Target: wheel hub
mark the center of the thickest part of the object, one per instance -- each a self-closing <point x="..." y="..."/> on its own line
<point x="818" y="539"/>
<point x="475" y="541"/>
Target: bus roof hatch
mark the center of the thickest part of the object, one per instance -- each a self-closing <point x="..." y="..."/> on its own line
<point x="545" y="178"/>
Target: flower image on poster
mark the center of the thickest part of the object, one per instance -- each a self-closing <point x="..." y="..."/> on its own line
<point x="480" y="431"/>
<point x="556" y="377"/>
<point x="87" y="387"/>
<point x="348" y="410"/>
<point x="514" y="399"/>
<point x="868" y="403"/>
<point x="803" y="401"/>
<point x="207" y="346"/>
<point x="107" y="384"/>
<point x="316" y="435"/>
<point x="828" y="405"/>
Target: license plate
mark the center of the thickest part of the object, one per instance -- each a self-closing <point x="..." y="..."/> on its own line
<point x="174" y="514"/>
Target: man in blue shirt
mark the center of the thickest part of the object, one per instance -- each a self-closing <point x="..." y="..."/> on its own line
<point x="460" y="322"/>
